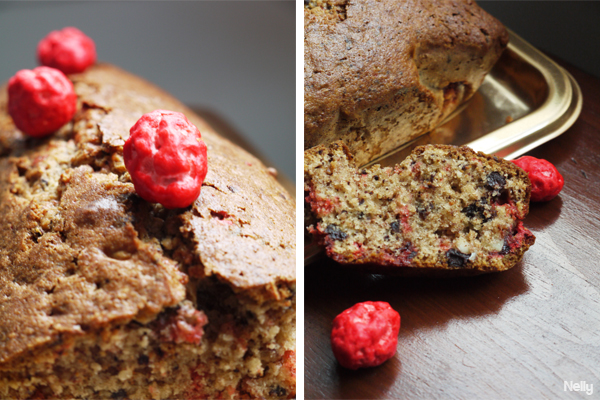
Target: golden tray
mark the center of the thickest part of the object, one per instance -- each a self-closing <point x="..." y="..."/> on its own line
<point x="526" y="100"/>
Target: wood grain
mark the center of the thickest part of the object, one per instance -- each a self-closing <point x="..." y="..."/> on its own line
<point x="519" y="334"/>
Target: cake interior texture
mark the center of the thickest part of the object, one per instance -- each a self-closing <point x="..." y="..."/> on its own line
<point x="242" y="353"/>
<point x="442" y="208"/>
<point x="106" y="296"/>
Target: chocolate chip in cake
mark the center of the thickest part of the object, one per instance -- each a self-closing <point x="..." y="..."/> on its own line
<point x="278" y="391"/>
<point x="395" y="226"/>
<point x="424" y="211"/>
<point x="335" y="232"/>
<point x="495" y="181"/>
<point x="505" y="248"/>
<point x="474" y="211"/>
<point x="143" y="359"/>
<point x="502" y="198"/>
<point x="159" y="352"/>
<point x="119" y="395"/>
<point x="456" y="258"/>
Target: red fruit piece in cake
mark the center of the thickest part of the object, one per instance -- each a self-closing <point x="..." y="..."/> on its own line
<point x="546" y="181"/>
<point x="68" y="50"/>
<point x="186" y="325"/>
<point x="166" y="158"/>
<point x="41" y="100"/>
<point x="365" y="335"/>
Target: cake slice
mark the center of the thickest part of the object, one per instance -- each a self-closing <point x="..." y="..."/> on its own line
<point x="443" y="208"/>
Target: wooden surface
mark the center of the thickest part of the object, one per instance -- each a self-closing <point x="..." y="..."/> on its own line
<point x="518" y="334"/>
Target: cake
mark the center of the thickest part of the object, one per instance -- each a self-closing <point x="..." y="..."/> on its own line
<point x="443" y="210"/>
<point x="104" y="295"/>
<point x="379" y="73"/>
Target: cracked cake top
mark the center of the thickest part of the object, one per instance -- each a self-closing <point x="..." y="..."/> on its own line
<point x="80" y="250"/>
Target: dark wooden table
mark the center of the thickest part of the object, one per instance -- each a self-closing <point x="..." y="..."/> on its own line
<point x="518" y="334"/>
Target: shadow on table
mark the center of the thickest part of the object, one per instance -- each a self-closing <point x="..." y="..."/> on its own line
<point x="544" y="214"/>
<point x="423" y="302"/>
<point x="355" y="384"/>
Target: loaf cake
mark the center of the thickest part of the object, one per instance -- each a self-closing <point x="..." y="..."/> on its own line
<point x="380" y="73"/>
<point x="444" y="209"/>
<point x="104" y="295"/>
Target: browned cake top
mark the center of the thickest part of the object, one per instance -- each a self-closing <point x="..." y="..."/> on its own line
<point x="360" y="54"/>
<point x="80" y="250"/>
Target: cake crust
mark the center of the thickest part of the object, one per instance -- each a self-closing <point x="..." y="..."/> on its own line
<point x="380" y="73"/>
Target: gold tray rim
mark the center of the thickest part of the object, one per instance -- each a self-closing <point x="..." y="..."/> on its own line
<point x="558" y="113"/>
